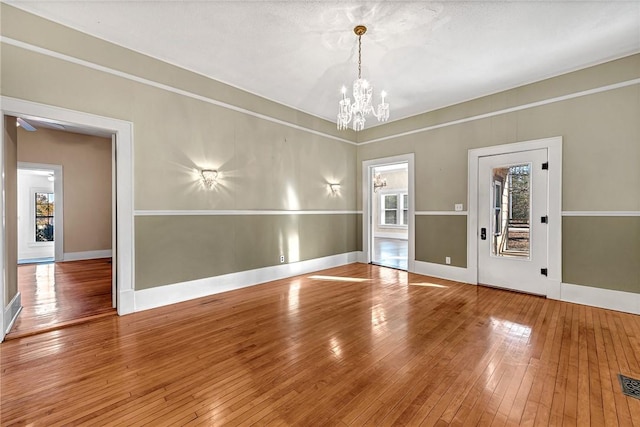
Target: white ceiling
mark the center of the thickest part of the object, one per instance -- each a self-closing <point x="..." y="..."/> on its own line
<point x="426" y="55"/>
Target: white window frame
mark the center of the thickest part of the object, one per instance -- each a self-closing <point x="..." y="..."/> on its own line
<point x="399" y="209"/>
<point x="32" y="217"/>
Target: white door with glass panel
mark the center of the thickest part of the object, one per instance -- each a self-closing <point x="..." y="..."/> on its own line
<point x="512" y="221"/>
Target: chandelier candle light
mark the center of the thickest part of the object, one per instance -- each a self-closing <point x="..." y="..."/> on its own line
<point x="362" y="93"/>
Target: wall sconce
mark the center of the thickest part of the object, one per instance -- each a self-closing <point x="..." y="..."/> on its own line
<point x="378" y="182"/>
<point x="335" y="188"/>
<point x="209" y="177"/>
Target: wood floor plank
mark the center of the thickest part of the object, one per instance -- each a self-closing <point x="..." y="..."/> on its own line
<point x="583" y="412"/>
<point x="596" y="401"/>
<point x="350" y="346"/>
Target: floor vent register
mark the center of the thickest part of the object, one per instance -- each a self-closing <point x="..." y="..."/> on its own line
<point x="630" y="386"/>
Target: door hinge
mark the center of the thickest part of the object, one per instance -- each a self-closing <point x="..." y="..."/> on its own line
<point x="543" y="271"/>
<point x="544" y="219"/>
<point x="545" y="166"/>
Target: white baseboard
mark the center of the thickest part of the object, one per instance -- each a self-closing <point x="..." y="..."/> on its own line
<point x="448" y="272"/>
<point x="45" y="253"/>
<point x="126" y="302"/>
<point x="384" y="235"/>
<point x="627" y="302"/>
<point x="178" y="292"/>
<point x="132" y="301"/>
<point x="11" y="312"/>
<point x="77" y="256"/>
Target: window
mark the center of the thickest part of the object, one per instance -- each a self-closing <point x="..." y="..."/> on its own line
<point x="497" y="207"/>
<point x="395" y="209"/>
<point x="44" y="217"/>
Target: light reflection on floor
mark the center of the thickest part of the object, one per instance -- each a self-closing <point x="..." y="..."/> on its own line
<point x="294" y="295"/>
<point x="378" y="320"/>
<point x="512" y="329"/>
<point x="338" y="278"/>
<point x="46" y="288"/>
<point x="336" y="348"/>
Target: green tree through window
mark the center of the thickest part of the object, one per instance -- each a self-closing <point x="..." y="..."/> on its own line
<point x="44" y="217"/>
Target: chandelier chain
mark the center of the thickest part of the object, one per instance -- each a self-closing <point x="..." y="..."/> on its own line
<point x="359" y="57"/>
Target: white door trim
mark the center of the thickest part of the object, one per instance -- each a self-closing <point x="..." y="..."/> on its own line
<point x="114" y="214"/>
<point x="123" y="222"/>
<point x="554" y="147"/>
<point x="367" y="190"/>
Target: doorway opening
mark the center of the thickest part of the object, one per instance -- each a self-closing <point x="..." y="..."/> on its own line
<point x="121" y="148"/>
<point x="388" y="214"/>
<point x="122" y="248"/>
<point x="40" y="213"/>
<point x="390" y="209"/>
<point x="62" y="284"/>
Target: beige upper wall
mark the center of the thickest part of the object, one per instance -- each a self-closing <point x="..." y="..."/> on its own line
<point x="86" y="170"/>
<point x="264" y="165"/>
<point x="608" y="73"/>
<point x="600" y="139"/>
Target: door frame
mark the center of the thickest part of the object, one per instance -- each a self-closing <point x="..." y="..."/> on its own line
<point x="122" y="222"/>
<point x="367" y="204"/>
<point x="554" y="206"/>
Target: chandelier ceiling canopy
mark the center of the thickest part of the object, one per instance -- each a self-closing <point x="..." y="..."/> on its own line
<point x="356" y="112"/>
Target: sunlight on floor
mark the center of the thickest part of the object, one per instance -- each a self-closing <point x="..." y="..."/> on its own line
<point x="46" y="288"/>
<point x="430" y="285"/>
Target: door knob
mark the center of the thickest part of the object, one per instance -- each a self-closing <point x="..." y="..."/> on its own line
<point x="483" y="233"/>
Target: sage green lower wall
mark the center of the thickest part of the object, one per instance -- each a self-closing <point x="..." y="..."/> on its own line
<point x="173" y="249"/>
<point x="441" y="236"/>
<point x="602" y="252"/>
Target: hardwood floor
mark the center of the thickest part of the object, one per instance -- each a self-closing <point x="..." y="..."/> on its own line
<point x="354" y="345"/>
<point x="55" y="295"/>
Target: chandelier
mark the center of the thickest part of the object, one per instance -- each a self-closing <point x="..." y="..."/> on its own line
<point x="379" y="182"/>
<point x="362" y="92"/>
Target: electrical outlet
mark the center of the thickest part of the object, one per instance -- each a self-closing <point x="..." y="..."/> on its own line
<point x="458" y="207"/>
<point x="281" y="258"/>
<point x="447" y="260"/>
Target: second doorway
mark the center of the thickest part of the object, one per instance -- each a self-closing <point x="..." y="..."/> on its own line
<point x="390" y="215"/>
